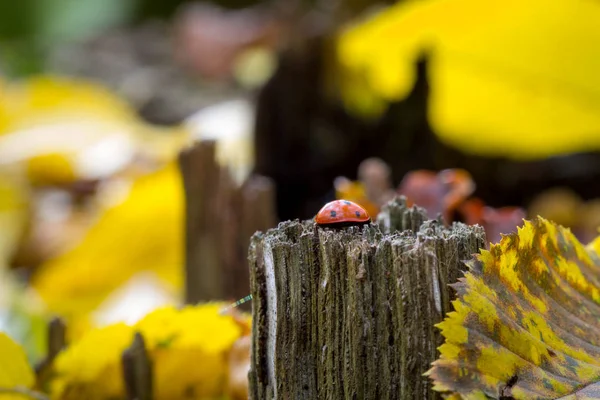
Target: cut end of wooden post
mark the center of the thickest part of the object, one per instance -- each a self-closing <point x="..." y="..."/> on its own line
<point x="396" y="216"/>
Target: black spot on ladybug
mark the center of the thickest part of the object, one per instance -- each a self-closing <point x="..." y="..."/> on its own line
<point x="333" y="214"/>
<point x="346" y="202"/>
<point x="357" y="214"/>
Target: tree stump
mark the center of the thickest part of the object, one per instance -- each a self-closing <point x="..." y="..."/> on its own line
<point x="350" y="313"/>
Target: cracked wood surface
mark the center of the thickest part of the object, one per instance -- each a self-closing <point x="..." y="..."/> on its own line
<point x="350" y="313"/>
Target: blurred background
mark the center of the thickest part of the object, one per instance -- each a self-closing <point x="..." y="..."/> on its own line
<point x="480" y="112"/>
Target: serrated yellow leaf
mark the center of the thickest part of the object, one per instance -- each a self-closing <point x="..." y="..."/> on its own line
<point x="530" y="317"/>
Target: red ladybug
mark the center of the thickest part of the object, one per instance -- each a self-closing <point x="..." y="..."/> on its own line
<point x="340" y="213"/>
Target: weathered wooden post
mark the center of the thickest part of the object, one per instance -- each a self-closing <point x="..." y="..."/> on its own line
<point x="350" y="313"/>
<point x="200" y="174"/>
<point x="221" y="215"/>
<point x="56" y="336"/>
<point x="137" y="370"/>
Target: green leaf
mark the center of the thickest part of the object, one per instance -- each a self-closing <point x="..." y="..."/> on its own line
<point x="527" y="320"/>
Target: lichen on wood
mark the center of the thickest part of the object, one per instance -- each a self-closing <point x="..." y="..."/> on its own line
<point x="350" y="313"/>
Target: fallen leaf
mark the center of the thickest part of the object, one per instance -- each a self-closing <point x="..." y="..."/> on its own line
<point x="64" y="130"/>
<point x="495" y="221"/>
<point x="500" y="221"/>
<point x="526" y="323"/>
<point x="90" y="367"/>
<point x="189" y="348"/>
<point x="15" y="371"/>
<point x="143" y="232"/>
<point x="509" y="79"/>
<point x="438" y="193"/>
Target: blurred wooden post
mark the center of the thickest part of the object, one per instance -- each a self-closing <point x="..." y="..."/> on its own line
<point x="256" y="212"/>
<point x="350" y="313"/>
<point x="201" y="178"/>
<point x="57" y="332"/>
<point x="137" y="370"/>
<point x="221" y="217"/>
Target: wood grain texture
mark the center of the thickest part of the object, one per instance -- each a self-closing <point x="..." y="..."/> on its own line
<point x="350" y="313"/>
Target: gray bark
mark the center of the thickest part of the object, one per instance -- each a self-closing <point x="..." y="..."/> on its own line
<point x="349" y="313"/>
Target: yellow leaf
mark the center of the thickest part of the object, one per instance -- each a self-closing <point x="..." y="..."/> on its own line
<point x="46" y="99"/>
<point x="90" y="368"/>
<point x="66" y="129"/>
<point x="188" y="348"/>
<point x="513" y="78"/>
<point x="14" y="368"/>
<point x="143" y="232"/>
<point x="194" y="335"/>
<point x="529" y="311"/>
<point x="53" y="168"/>
<point x="14" y="213"/>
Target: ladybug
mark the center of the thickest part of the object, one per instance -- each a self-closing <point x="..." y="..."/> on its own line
<point x="339" y="213"/>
